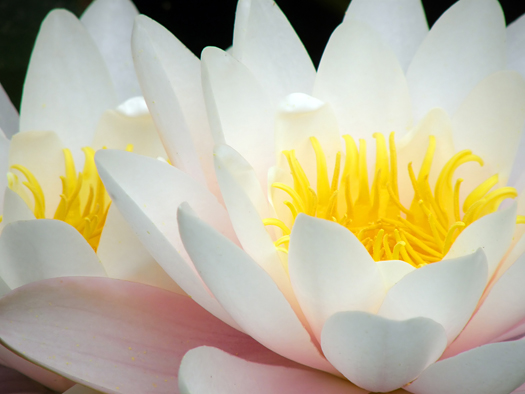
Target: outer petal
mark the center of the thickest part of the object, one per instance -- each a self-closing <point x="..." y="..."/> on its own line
<point x="492" y="233"/>
<point x="502" y="309"/>
<point x="67" y="86"/>
<point x="114" y="336"/>
<point x="380" y="354"/>
<point x="331" y="271"/>
<point x="466" y="44"/>
<point x="39" y="249"/>
<point x="156" y="62"/>
<point x="516" y="45"/>
<point x="248" y="293"/>
<point x="363" y="81"/>
<point x="8" y="115"/>
<point x="490" y="121"/>
<point x="206" y="370"/>
<point x="4" y="163"/>
<point x="147" y="192"/>
<point x="265" y="42"/>
<point x="15" y="208"/>
<point x="239" y="110"/>
<point x="498" y="368"/>
<point x="401" y="24"/>
<point x="446" y="292"/>
<point x="109" y="22"/>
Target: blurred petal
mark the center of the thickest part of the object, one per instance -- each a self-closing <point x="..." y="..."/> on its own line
<point x="516" y="45"/>
<point x="78" y="389"/>
<point x="8" y="115"/>
<point x="12" y="382"/>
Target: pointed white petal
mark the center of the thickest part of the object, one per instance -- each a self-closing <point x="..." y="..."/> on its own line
<point x="516" y="45"/>
<point x="8" y="115"/>
<point x="15" y="208"/>
<point x="392" y="271"/>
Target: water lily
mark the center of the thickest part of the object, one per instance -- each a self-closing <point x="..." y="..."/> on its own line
<point x="356" y="273"/>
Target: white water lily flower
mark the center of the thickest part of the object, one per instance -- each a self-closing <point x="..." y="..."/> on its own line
<point x="381" y="273"/>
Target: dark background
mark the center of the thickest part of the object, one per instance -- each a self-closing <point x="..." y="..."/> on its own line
<point x="197" y="23"/>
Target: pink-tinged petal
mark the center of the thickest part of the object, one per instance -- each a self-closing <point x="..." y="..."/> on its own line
<point x="446" y="292"/>
<point x="298" y="118"/>
<point x="331" y="271"/>
<point x="248" y="293"/>
<point x="466" y="44"/>
<point x="115" y="336"/>
<point x="502" y="309"/>
<point x="239" y="110"/>
<point x="41" y="153"/>
<point x="496" y="103"/>
<point x="516" y="45"/>
<point x="78" y="389"/>
<point x="206" y="370"/>
<point x="392" y="271"/>
<point x="401" y="24"/>
<point x="363" y="81"/>
<point x="379" y="354"/>
<point x="34" y="371"/>
<point x="155" y="63"/>
<point x="147" y="193"/>
<point x="67" y="86"/>
<point x="8" y="115"/>
<point x="117" y="130"/>
<point x="39" y="249"/>
<point x="265" y="42"/>
<point x="4" y="288"/>
<point x="124" y="257"/>
<point x="13" y="382"/>
<point x="15" y="208"/>
<point x="492" y="233"/>
<point x="498" y="368"/>
<point x="110" y="22"/>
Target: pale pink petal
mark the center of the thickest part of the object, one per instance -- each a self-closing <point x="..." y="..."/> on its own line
<point x="206" y="370"/>
<point x="8" y="115"/>
<point x="115" y="336"/>
<point x="498" y="368"/>
<point x="490" y="122"/>
<point x="466" y="44"/>
<point x="13" y="382"/>
<point x="124" y="257"/>
<point x="331" y="271"/>
<point x="502" y="309"/>
<point x="362" y="79"/>
<point x="446" y="292"/>
<point x="67" y="86"/>
<point x="147" y="193"/>
<point x="379" y="354"/>
<point x="110" y="22"/>
<point x="265" y="42"/>
<point x="492" y="233"/>
<point x="248" y="293"/>
<point x="401" y="24"/>
<point x="239" y="110"/>
<point x="155" y="53"/>
<point x="392" y="271"/>
<point x="39" y="249"/>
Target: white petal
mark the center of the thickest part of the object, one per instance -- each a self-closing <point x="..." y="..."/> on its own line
<point x="247" y="293"/>
<point x="265" y="42"/>
<point x="207" y="370"/>
<point x="498" y="368"/>
<point x="15" y="208"/>
<point x="39" y="249"/>
<point x="110" y="22"/>
<point x="239" y="110"/>
<point x="123" y="256"/>
<point x="446" y="292"/>
<point x="331" y="271"/>
<point x="490" y="121"/>
<point x="502" y="309"/>
<point x="380" y="354"/>
<point x="516" y="45"/>
<point x="8" y="115"/>
<point x="401" y="24"/>
<point x="155" y="52"/>
<point x="4" y="165"/>
<point x="492" y="233"/>
<point x="392" y="271"/>
<point x="67" y="86"/>
<point x="362" y="80"/>
<point x="466" y="44"/>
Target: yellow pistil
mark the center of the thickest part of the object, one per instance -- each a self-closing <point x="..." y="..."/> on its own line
<point x="84" y="202"/>
<point x="420" y="234"/>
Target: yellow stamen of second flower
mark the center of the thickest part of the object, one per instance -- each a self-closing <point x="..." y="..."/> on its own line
<point x="84" y="202"/>
<point x="420" y="234"/>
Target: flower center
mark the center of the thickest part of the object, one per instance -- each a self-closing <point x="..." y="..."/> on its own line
<point x="419" y="234"/>
<point x="84" y="202"/>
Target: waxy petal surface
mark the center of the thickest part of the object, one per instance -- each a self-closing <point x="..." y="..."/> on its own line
<point x="379" y="354"/>
<point x="516" y="45"/>
<point x="15" y="208"/>
<point x="392" y="271"/>
<point x="206" y="370"/>
<point x="8" y="115"/>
